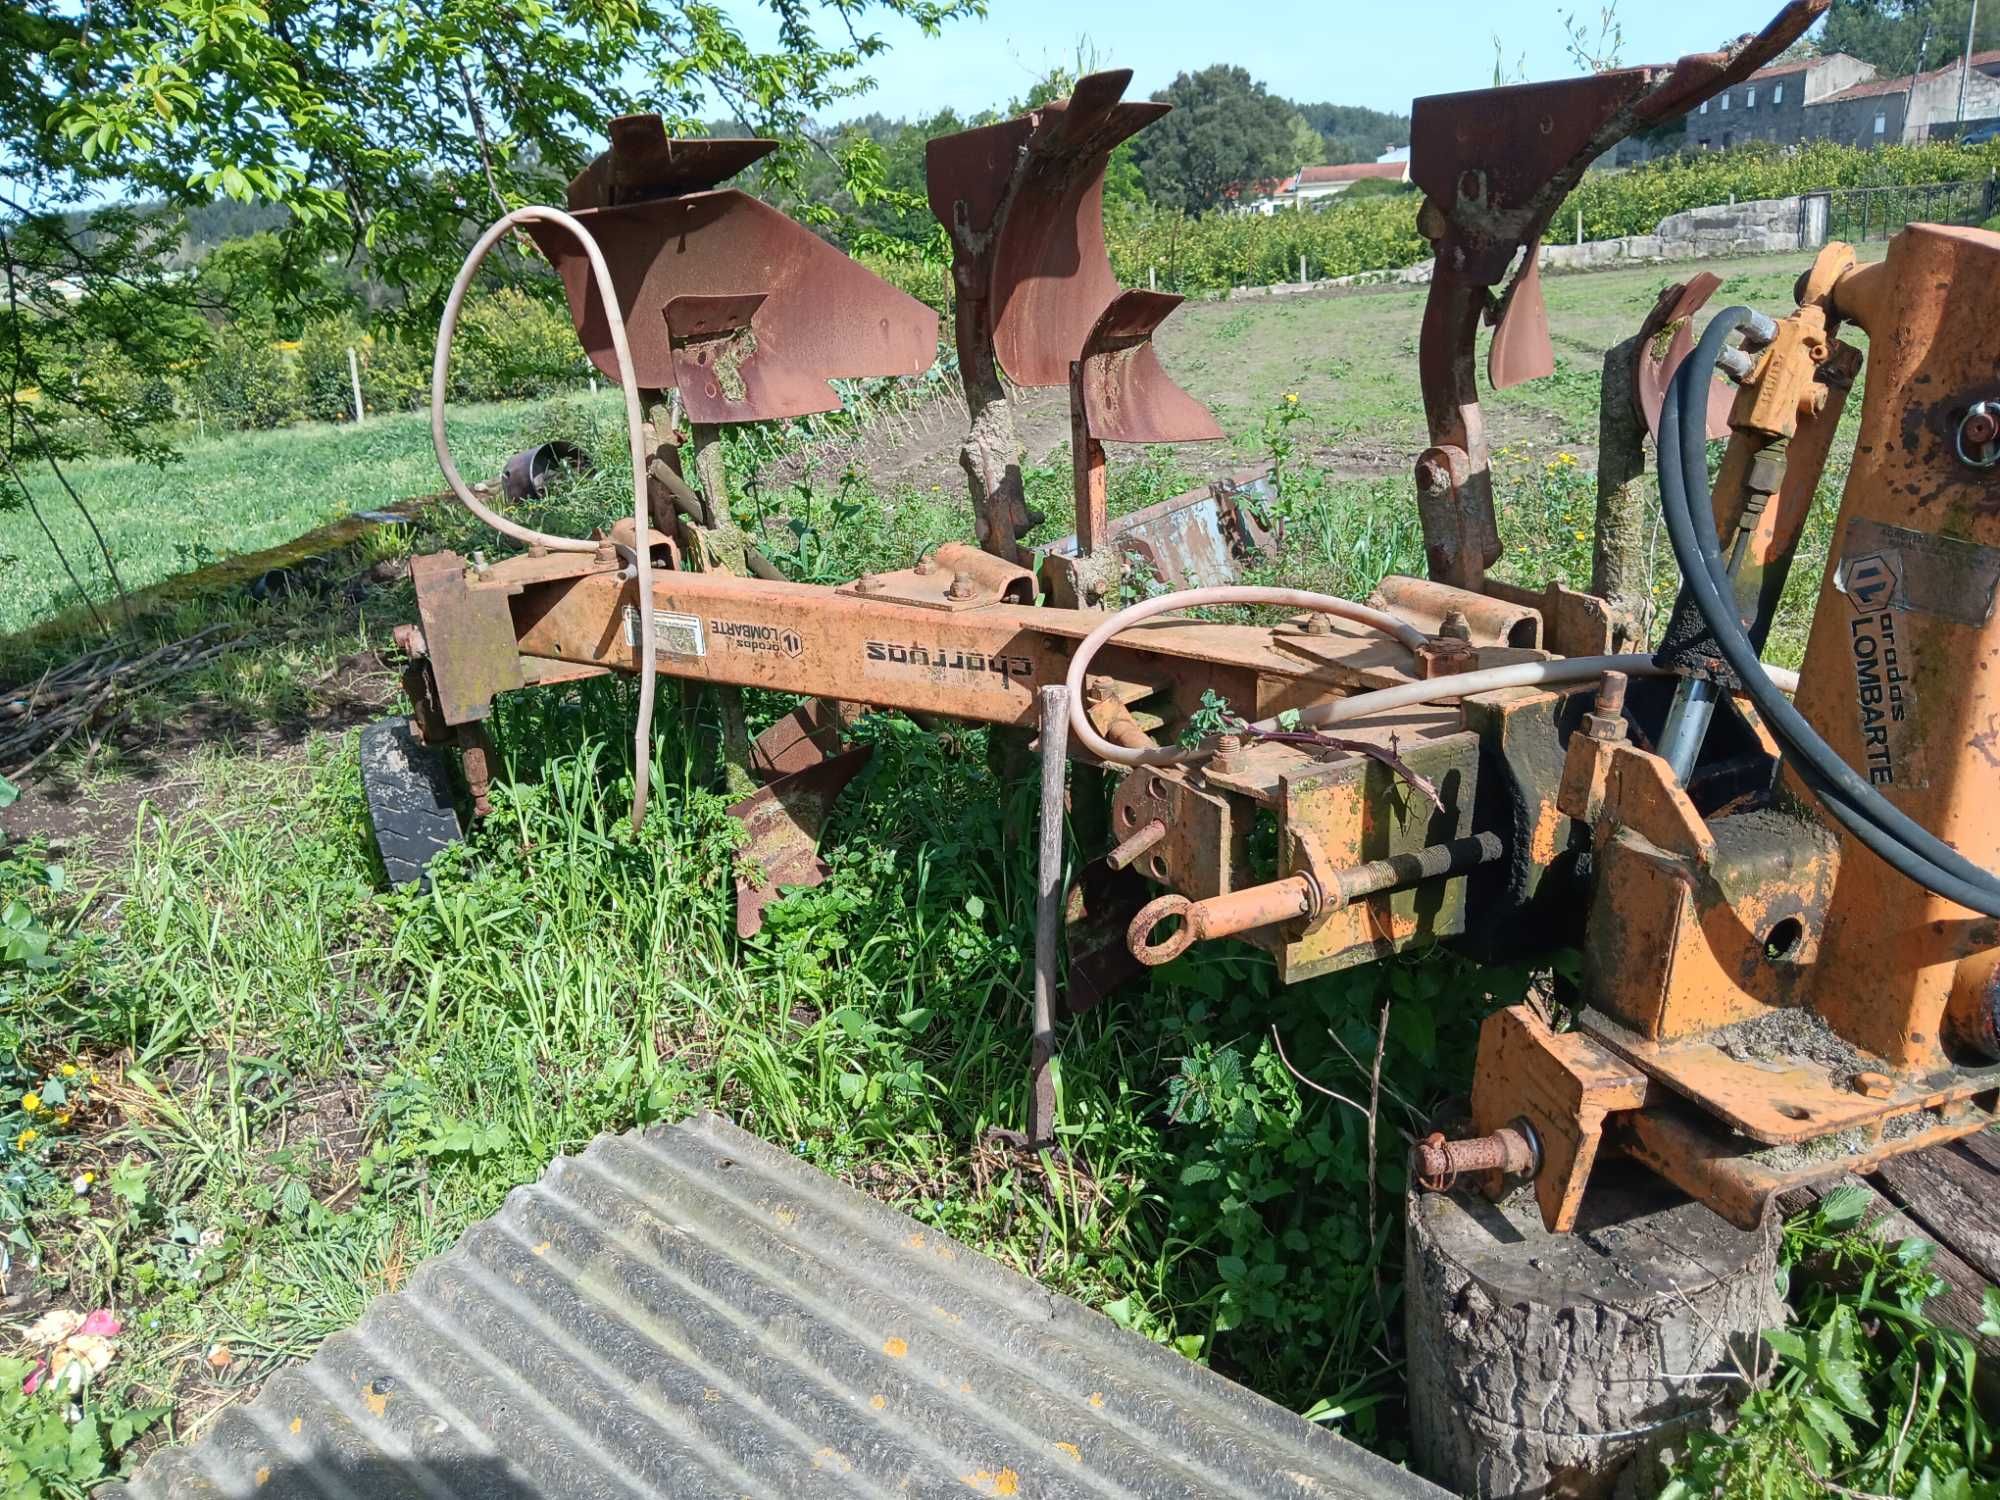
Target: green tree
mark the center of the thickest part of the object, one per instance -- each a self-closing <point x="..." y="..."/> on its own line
<point x="259" y="280"/>
<point x="1889" y="33"/>
<point x="1226" y="129"/>
<point x="382" y="129"/>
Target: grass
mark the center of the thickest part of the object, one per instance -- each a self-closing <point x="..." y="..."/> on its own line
<point x="267" y="1087"/>
<point x="228" y="495"/>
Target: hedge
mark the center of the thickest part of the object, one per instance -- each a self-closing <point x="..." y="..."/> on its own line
<point x="1372" y="233"/>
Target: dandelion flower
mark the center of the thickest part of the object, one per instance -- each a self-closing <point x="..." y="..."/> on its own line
<point x="69" y="1070"/>
<point x="1291" y="398"/>
<point x="31" y="1102"/>
<point x="63" y="1118"/>
<point x="26" y="1138"/>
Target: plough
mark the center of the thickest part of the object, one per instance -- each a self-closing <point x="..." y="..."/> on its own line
<point x="1786" y="905"/>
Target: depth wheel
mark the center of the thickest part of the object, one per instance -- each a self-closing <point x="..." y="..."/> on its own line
<point x="409" y="800"/>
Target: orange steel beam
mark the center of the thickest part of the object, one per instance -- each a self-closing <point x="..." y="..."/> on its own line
<point x="981" y="663"/>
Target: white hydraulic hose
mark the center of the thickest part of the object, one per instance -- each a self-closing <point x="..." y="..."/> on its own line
<point x="635" y="423"/>
<point x="1555" y="672"/>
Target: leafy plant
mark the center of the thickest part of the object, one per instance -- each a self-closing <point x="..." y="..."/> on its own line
<point x="47" y="1454"/>
<point x="1867" y="1394"/>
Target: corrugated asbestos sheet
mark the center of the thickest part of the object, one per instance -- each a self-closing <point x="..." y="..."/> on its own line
<point x="687" y="1311"/>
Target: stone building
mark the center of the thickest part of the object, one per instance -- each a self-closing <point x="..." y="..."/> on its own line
<point x="1831" y="98"/>
<point x="1891" y="111"/>
<point x="1773" y="103"/>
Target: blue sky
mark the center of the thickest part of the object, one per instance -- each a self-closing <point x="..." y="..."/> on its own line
<point x="1381" y="55"/>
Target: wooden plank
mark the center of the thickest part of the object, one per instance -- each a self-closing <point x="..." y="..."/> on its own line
<point x="1954" y="1192"/>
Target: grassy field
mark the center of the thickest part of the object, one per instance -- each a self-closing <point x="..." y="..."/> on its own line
<point x="227" y="495"/>
<point x="264" y="1087"/>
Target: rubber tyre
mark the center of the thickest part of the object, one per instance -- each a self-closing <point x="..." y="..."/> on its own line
<point x="409" y="800"/>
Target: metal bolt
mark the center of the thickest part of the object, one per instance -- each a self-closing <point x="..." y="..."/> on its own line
<point x="409" y="640"/>
<point x="1144" y="839"/>
<point x="1100" y="689"/>
<point x="1455" y="626"/>
<point x="1606" y="720"/>
<point x="1510" y="1150"/>
<point x="1226" y="748"/>
<point x="1611" y="693"/>
<point x="925" y="564"/>
<point x="1873" y="1085"/>
<point x="1979" y="435"/>
<point x="961" y="587"/>
<point x="868" y="583"/>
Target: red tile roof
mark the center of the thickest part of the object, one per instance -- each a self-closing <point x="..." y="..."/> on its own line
<point x="1393" y="171"/>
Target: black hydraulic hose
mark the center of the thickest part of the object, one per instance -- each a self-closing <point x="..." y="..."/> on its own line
<point x="1885" y="829"/>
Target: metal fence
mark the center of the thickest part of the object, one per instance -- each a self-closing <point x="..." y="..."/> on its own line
<point x="1876" y="213"/>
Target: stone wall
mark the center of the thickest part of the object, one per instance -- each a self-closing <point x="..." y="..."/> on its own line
<point x="1759" y="227"/>
<point x="1752" y="228"/>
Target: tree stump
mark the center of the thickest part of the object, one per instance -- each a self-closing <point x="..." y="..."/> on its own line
<point x="1565" y="1365"/>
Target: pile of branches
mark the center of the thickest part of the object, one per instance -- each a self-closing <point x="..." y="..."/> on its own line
<point x="92" y="695"/>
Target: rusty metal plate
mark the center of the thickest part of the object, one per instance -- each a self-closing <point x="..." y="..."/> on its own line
<point x="800" y="740"/>
<point x="728" y="368"/>
<point x="1031" y="190"/>
<point x="1357" y="810"/>
<point x="1199" y="539"/>
<point x="824" y="316"/>
<point x="1521" y="349"/>
<point x="1497" y="162"/>
<point x="688" y="1311"/>
<point x="783" y="820"/>
<point x="1784" y="1078"/>
<point x="468" y="636"/>
<point x="1206" y="848"/>
<point x="644" y="162"/>
<point x="1738" y="1178"/>
<point x="1666" y="338"/>
<point x="1128" y="397"/>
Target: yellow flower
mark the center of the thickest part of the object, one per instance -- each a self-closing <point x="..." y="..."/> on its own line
<point x="63" y="1118"/>
<point x="1291" y="398"/>
<point x="69" y="1070"/>
<point x="31" y="1102"/>
<point x="26" y="1138"/>
<point x="1566" y="460"/>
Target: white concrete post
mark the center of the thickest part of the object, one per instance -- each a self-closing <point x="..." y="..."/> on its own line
<point x="354" y="375"/>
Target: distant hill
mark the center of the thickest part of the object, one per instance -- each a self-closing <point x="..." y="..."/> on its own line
<point x="1354" y="133"/>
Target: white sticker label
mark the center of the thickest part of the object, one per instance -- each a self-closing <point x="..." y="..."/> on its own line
<point x="677" y="635"/>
